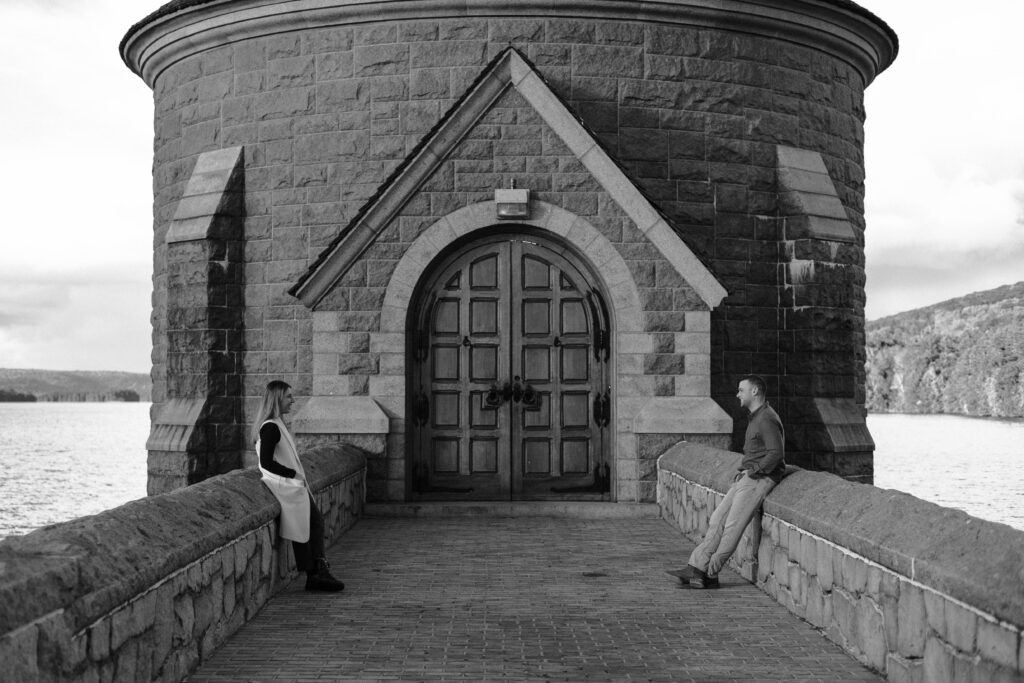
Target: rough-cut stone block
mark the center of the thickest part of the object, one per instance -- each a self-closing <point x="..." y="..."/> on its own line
<point x="935" y="609"/>
<point x="342" y="96"/>
<point x="99" y="640"/>
<point x="938" y="661"/>
<point x="998" y="643"/>
<point x="912" y="621"/>
<point x="379" y="60"/>
<point x="692" y="385"/>
<point x="697" y="321"/>
<point x="284" y="103"/>
<point x="809" y="554"/>
<point x="814" y="602"/>
<point x="857" y="576"/>
<point x="900" y="670"/>
<point x="451" y="53"/>
<point x="693" y="342"/>
<point x="961" y="627"/>
<point x="871" y="639"/>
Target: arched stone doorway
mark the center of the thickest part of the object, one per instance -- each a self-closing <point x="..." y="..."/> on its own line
<point x="509" y="388"/>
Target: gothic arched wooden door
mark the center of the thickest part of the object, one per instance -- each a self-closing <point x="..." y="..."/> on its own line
<point x="510" y="394"/>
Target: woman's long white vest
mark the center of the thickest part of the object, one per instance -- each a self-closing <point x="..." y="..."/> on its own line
<point x="292" y="494"/>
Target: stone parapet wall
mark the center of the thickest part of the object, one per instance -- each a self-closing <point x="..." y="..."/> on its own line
<point x="148" y="590"/>
<point x="911" y="589"/>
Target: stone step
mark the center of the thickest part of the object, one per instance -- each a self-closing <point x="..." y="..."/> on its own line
<point x="566" y="509"/>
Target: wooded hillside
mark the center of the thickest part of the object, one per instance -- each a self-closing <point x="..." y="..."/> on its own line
<point x="963" y="356"/>
<point x="77" y="385"/>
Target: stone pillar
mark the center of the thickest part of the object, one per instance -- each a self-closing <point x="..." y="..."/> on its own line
<point x="822" y="340"/>
<point x="197" y="432"/>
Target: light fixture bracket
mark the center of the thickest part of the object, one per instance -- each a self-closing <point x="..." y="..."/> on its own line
<point x="512" y="204"/>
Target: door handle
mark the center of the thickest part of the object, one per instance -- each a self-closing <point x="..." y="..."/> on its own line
<point x="517" y="389"/>
<point x="525" y="394"/>
<point x="496" y="395"/>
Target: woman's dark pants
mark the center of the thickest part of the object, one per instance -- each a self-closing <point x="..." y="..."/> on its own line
<point x="306" y="554"/>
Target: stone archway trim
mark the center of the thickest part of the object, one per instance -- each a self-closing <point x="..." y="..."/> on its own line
<point x="509" y="70"/>
<point x="635" y="408"/>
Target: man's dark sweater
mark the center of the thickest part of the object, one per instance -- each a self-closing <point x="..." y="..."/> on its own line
<point x="764" y="448"/>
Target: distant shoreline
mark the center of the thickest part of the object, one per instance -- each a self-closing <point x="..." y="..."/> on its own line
<point x="89" y="386"/>
<point x="971" y="417"/>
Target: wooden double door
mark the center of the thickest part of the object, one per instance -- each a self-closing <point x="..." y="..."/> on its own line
<point x="510" y="397"/>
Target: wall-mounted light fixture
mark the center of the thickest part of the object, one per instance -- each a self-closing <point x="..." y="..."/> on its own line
<point x="512" y="204"/>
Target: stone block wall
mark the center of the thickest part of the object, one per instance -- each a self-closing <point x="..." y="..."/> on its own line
<point x="916" y="591"/>
<point x="147" y="591"/>
<point x="693" y="114"/>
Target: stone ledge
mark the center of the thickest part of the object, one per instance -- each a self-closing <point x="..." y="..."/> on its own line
<point x="808" y="200"/>
<point x="341" y="415"/>
<point x="682" y="415"/>
<point x="212" y="197"/>
<point x="978" y="562"/>
<point x="164" y="38"/>
<point x="174" y="425"/>
<point x="88" y="566"/>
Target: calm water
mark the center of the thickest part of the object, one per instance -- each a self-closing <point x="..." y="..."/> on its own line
<point x="969" y="463"/>
<point x="65" y="460"/>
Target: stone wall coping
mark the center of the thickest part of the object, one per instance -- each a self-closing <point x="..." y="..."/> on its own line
<point x="341" y="415"/>
<point x="90" y="565"/>
<point x="978" y="562"/>
<point x="835" y="27"/>
<point x="682" y="415"/>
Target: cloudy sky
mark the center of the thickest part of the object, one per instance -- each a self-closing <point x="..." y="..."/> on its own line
<point x="945" y="173"/>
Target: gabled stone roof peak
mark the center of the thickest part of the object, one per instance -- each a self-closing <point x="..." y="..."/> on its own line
<point x="510" y="69"/>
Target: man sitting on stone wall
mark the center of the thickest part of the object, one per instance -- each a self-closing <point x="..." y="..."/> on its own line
<point x="763" y="467"/>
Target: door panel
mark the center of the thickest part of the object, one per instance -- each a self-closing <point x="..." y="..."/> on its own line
<point x="507" y="372"/>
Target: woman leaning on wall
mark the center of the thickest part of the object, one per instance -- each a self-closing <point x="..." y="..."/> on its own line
<point x="301" y="522"/>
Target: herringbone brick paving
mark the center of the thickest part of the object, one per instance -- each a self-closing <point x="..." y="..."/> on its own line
<point x="523" y="599"/>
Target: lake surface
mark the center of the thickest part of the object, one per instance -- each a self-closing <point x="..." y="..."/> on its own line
<point x="969" y="463"/>
<point x="65" y="460"/>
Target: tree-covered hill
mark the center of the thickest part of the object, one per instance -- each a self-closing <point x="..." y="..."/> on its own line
<point x="77" y="385"/>
<point x="963" y="356"/>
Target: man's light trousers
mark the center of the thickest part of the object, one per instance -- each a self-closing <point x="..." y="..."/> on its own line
<point x="727" y="523"/>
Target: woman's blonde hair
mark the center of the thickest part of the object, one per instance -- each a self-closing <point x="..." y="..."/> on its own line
<point x="270" y="408"/>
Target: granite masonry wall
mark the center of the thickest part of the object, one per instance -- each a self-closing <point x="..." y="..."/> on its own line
<point x="693" y="114"/>
<point x="916" y="591"/>
<point x="147" y="591"/>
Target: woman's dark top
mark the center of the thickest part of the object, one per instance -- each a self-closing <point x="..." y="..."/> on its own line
<point x="270" y="435"/>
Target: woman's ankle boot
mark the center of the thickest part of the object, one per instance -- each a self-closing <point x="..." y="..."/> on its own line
<point x="320" y="579"/>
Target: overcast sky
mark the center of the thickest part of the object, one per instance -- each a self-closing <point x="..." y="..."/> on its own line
<point x="945" y="173"/>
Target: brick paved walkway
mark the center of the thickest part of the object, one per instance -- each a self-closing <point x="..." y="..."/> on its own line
<point x="523" y="599"/>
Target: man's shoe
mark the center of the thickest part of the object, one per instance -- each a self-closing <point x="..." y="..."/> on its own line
<point x="704" y="581"/>
<point x="684" y="574"/>
<point x="321" y="579"/>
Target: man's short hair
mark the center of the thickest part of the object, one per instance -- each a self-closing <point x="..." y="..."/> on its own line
<point x="758" y="382"/>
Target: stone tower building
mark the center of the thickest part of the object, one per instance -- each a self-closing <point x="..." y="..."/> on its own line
<point x="510" y="249"/>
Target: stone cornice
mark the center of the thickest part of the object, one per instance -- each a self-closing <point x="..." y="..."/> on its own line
<point x="836" y="27"/>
